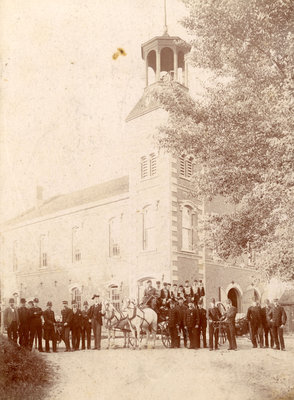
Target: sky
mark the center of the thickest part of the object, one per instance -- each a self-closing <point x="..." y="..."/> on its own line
<point x="64" y="99"/>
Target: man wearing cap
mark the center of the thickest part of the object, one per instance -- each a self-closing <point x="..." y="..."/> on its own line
<point x="174" y="292"/>
<point x="214" y="315"/>
<point x="266" y="323"/>
<point x="230" y="317"/>
<point x="182" y="309"/>
<point x="191" y="322"/>
<point x="278" y="320"/>
<point x="49" y="327"/>
<point x="66" y="314"/>
<point x="23" y="330"/>
<point x="188" y="292"/>
<point x="36" y="324"/>
<point x="165" y="294"/>
<point x="254" y="317"/>
<point x="86" y="326"/>
<point x="202" y="323"/>
<point x="149" y="294"/>
<point x="173" y="320"/>
<point x="95" y="315"/>
<point x="11" y="321"/>
<point x="76" y="326"/>
<point x="181" y="293"/>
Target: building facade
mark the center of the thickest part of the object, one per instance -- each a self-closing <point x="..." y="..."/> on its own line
<point x="111" y="238"/>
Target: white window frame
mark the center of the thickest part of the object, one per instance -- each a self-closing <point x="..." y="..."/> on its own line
<point x="192" y="233"/>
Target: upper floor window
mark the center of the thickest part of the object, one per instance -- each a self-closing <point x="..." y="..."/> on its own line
<point x="114" y="236"/>
<point x="188" y="222"/>
<point x="15" y="256"/>
<point x="76" y="244"/>
<point x="148" y="166"/>
<point x="186" y="166"/>
<point x="43" y="251"/>
<point x="149" y="228"/>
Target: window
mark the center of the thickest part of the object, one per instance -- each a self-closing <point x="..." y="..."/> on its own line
<point x="186" y="166"/>
<point x="43" y="251"/>
<point x="76" y="296"/>
<point x="148" y="228"/>
<point x="188" y="217"/>
<point x="148" y="166"/>
<point x="76" y="244"/>
<point x="115" y="297"/>
<point x="114" y="237"/>
<point x="15" y="256"/>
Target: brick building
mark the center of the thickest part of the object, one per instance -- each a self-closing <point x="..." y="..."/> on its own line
<point x="112" y="237"/>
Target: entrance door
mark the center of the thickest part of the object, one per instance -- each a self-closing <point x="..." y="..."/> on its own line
<point x="234" y="296"/>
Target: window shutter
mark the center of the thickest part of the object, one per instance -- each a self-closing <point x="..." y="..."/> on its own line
<point x="182" y="166"/>
<point x="153" y="164"/>
<point x="144" y="167"/>
<point x="189" y="168"/>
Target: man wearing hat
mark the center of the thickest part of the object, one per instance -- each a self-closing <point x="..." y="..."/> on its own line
<point x="149" y="294"/>
<point x="181" y="309"/>
<point x="254" y="317"/>
<point x="278" y="320"/>
<point x="173" y="320"/>
<point x="66" y="314"/>
<point x="214" y="315"/>
<point x="11" y="321"/>
<point x="191" y="322"/>
<point x="267" y="326"/>
<point x="49" y="327"/>
<point x="36" y="324"/>
<point x="188" y="291"/>
<point x="230" y="317"/>
<point x="95" y="315"/>
<point x="174" y="292"/>
<point x="202" y="323"/>
<point x="24" y="329"/>
<point x="165" y="294"/>
<point x="86" y="326"/>
<point x="76" y="325"/>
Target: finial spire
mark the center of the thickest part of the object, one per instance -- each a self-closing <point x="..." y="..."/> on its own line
<point x="165" y="23"/>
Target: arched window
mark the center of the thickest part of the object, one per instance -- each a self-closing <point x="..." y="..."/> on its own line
<point x="188" y="228"/>
<point x="76" y="295"/>
<point x="186" y="166"/>
<point x="149" y="228"/>
<point x="114" y="236"/>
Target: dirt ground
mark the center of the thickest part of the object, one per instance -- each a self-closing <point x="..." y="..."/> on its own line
<point x="169" y="374"/>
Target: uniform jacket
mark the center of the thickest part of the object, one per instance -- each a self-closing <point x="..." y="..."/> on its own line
<point x="173" y="317"/>
<point x="49" y="319"/>
<point x="214" y="314"/>
<point x="202" y="317"/>
<point x="66" y="316"/>
<point x="77" y="319"/>
<point x="85" y="318"/>
<point x="181" y="314"/>
<point x="231" y="315"/>
<point x="165" y="294"/>
<point x="35" y="315"/>
<point x="265" y="316"/>
<point x="96" y="313"/>
<point x="10" y="315"/>
<point x="24" y="316"/>
<point x="254" y="315"/>
<point x="278" y="316"/>
<point x="191" y="318"/>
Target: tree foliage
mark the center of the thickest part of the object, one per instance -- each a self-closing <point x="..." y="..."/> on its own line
<point x="241" y="133"/>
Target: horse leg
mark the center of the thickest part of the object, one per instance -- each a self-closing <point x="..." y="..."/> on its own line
<point x="108" y="338"/>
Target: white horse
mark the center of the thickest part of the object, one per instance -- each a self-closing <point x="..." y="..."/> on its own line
<point x="141" y="320"/>
<point x="115" y="320"/>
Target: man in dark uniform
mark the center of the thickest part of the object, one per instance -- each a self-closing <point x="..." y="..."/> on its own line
<point x="254" y="318"/>
<point x="202" y="323"/>
<point x="214" y="315"/>
<point x="66" y="314"/>
<point x="149" y="294"/>
<point x="36" y="324"/>
<point x="49" y="330"/>
<point x="173" y="323"/>
<point x="266" y="324"/>
<point x="30" y="306"/>
<point x="11" y="321"/>
<point x="23" y="330"/>
<point x="191" y="323"/>
<point x="86" y="326"/>
<point x="95" y="315"/>
<point x="158" y="290"/>
<point x="231" y="329"/>
<point x="188" y="292"/>
<point x="181" y="308"/>
<point x="278" y="320"/>
<point x="76" y="326"/>
<point x="174" y="292"/>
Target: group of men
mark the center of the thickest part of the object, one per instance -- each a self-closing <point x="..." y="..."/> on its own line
<point x="266" y="322"/>
<point x="24" y="324"/>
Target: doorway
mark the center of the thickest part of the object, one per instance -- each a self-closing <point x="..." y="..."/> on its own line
<point x="234" y="296"/>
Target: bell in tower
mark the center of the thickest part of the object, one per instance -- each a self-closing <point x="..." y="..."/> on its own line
<point x="164" y="58"/>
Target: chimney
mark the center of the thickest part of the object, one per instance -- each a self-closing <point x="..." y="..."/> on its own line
<point x="39" y="196"/>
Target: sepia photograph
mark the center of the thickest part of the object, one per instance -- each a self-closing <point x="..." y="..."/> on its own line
<point x="147" y="199"/>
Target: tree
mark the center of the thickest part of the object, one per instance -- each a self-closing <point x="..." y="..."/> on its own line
<point x="241" y="133"/>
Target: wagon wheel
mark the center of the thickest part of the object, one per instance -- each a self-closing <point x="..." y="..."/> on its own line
<point x="165" y="337"/>
<point x="222" y="336"/>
